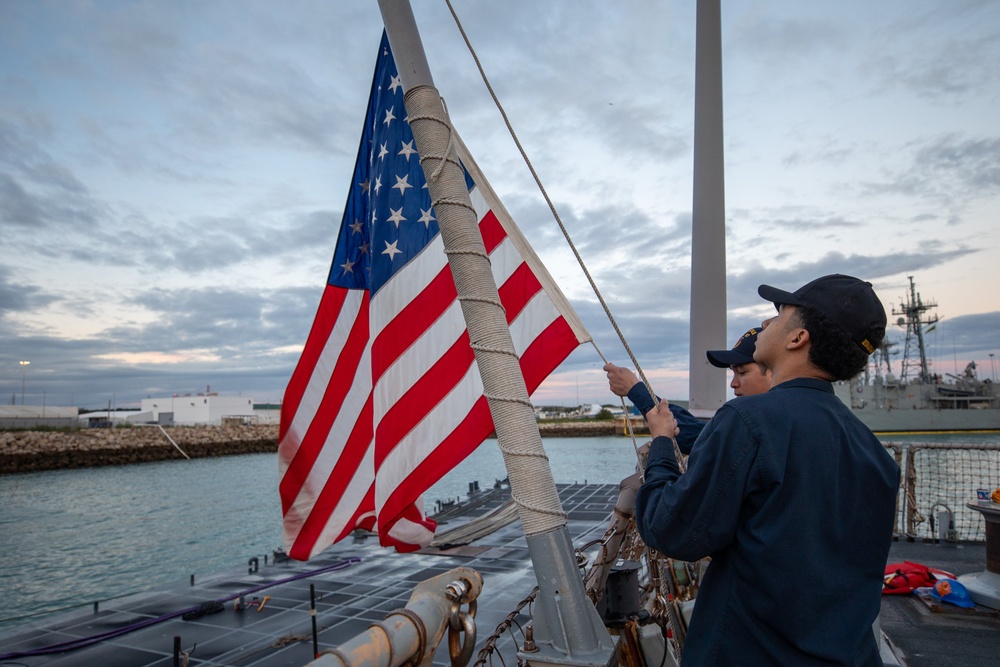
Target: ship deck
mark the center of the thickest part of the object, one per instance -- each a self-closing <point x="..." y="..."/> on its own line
<point x="351" y="594"/>
<point x="932" y="634"/>
<point x="349" y="599"/>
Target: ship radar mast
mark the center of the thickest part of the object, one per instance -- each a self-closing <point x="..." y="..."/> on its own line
<point x="911" y="312"/>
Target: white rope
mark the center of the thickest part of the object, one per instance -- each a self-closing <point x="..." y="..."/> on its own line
<point x="532" y="486"/>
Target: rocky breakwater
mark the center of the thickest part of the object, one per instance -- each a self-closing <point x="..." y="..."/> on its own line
<point x="27" y="451"/>
<point x="579" y="429"/>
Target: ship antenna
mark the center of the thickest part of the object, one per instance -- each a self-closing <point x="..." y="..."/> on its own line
<point x="912" y="310"/>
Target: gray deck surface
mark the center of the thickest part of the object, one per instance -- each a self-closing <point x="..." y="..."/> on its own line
<point x="280" y="634"/>
<point x="352" y="598"/>
<point x="941" y="634"/>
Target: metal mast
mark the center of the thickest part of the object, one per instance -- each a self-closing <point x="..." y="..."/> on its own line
<point x="567" y="627"/>
<point x="707" y="384"/>
<point x="912" y="310"/>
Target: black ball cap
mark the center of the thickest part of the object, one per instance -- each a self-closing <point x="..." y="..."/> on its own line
<point x="848" y="302"/>
<point x="741" y="353"/>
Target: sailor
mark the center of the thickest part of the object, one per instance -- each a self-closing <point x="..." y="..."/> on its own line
<point x="749" y="379"/>
<point x="787" y="491"/>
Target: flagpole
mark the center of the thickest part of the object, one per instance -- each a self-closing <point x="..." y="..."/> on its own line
<point x="567" y="627"/>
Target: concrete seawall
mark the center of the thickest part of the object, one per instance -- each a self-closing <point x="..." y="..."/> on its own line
<point x="29" y="451"/>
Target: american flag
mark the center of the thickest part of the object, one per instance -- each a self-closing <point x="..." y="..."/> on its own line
<point x="387" y="397"/>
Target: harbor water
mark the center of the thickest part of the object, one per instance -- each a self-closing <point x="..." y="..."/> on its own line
<point x="73" y="537"/>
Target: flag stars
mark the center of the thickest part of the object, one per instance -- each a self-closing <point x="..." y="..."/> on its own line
<point x="378" y="184"/>
<point x="396" y="83"/>
<point x="402" y="184"/>
<point x="407" y="149"/>
<point x="391" y="249"/>
<point x="348" y="267"/>
<point x="427" y="217"/>
<point x="356" y="226"/>
<point x="364" y="186"/>
<point x="383" y="151"/>
<point x="389" y="116"/>
<point x="363" y="248"/>
<point x="397" y="216"/>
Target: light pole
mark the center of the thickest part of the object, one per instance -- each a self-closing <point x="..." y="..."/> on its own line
<point x="24" y="366"/>
<point x="993" y="369"/>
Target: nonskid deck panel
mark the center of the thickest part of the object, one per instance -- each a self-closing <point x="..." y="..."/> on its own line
<point x="350" y="599"/>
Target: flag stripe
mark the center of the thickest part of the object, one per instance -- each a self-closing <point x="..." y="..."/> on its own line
<point x="536" y="363"/>
<point x="551" y="341"/>
<point x="351" y="471"/>
<point x="399" y="335"/>
<point x="428" y="385"/>
<point x="425" y="306"/>
<point x="354" y="424"/>
<point x="326" y="317"/>
<point x="346" y="367"/>
<point x="434" y="383"/>
<point x="327" y="351"/>
<point x="451" y="451"/>
<point x="430" y="389"/>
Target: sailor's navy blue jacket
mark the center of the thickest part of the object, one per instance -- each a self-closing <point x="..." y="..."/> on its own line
<point x="794" y="500"/>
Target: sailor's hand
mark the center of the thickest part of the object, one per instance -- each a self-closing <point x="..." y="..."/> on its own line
<point x="620" y="379"/>
<point x="661" y="421"/>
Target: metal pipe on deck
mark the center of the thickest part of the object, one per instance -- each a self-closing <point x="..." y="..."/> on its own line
<point x="411" y="635"/>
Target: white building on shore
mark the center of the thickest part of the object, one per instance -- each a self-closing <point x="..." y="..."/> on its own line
<point x="192" y="409"/>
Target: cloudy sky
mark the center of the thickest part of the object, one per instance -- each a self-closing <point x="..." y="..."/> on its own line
<point x="173" y="173"/>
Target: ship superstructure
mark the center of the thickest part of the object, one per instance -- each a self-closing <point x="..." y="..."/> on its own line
<point x="919" y="399"/>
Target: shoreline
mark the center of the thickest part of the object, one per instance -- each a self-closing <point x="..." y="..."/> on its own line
<point x="35" y="451"/>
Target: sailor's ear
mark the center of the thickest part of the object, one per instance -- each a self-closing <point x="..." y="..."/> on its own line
<point x="797" y="338"/>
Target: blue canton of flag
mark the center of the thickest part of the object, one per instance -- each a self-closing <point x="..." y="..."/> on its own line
<point x="390" y="205"/>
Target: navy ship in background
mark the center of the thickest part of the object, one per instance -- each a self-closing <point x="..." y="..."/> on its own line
<point x="920" y="400"/>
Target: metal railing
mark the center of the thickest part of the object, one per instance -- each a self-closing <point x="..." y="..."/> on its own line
<point x="943" y="477"/>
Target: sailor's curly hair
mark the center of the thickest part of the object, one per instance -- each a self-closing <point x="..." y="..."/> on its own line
<point x="831" y="349"/>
